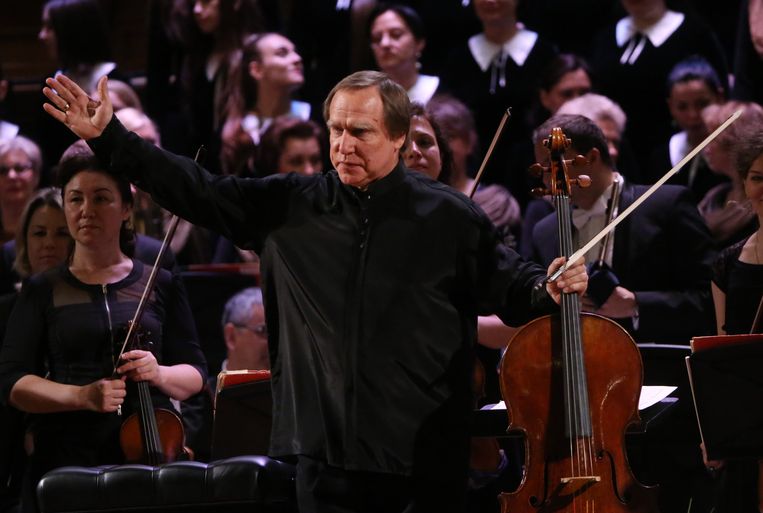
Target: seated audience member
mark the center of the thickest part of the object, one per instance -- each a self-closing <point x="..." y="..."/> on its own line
<point x="246" y="343"/>
<point x="607" y="115"/>
<point x="499" y="68"/>
<point x="43" y="242"/>
<point x="726" y="207"/>
<point x="190" y="244"/>
<point x="660" y="255"/>
<point x="291" y="144"/>
<point x="20" y="166"/>
<point x="266" y="76"/>
<point x="397" y="41"/>
<point x="123" y="96"/>
<point x="632" y="59"/>
<point x="456" y="122"/>
<point x="737" y="289"/>
<point x="58" y="362"/>
<point x="566" y="77"/>
<point x="692" y="85"/>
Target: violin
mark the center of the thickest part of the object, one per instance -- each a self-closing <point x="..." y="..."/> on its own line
<point x="151" y="436"/>
<point x="571" y="384"/>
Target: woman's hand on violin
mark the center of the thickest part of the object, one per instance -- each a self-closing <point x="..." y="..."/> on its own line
<point x="72" y="106"/>
<point x="141" y="366"/>
<point x="573" y="280"/>
<point x="104" y="395"/>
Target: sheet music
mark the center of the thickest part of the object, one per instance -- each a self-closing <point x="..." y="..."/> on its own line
<point x="650" y="395"/>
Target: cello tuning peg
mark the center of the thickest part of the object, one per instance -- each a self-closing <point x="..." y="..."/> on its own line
<point x="579" y="160"/>
<point x="583" y="181"/>
<point x="539" y="192"/>
<point x="537" y="170"/>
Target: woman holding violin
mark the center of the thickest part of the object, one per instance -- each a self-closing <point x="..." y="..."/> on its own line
<point x="62" y="357"/>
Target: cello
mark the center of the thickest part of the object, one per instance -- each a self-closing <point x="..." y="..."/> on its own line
<point x="571" y="384"/>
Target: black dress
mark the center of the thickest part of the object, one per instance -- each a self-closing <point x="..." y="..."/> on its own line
<point x="70" y="331"/>
<point x="743" y="285"/>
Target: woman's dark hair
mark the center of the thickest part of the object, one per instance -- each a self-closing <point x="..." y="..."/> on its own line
<point x="82" y="36"/>
<point x="78" y="158"/>
<point x="748" y="148"/>
<point x="409" y="16"/>
<point x="274" y="140"/>
<point x="694" y="68"/>
<point x="446" y="156"/>
<point x="559" y="66"/>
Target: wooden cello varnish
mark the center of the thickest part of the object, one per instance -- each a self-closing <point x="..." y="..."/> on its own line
<point x="571" y="384"/>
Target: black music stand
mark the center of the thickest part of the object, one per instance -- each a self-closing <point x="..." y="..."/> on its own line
<point x="727" y="387"/>
<point x="243" y="415"/>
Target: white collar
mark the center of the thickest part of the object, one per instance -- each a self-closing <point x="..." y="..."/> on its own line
<point x="424" y="88"/>
<point x="518" y="48"/>
<point x="658" y="33"/>
<point x="678" y="147"/>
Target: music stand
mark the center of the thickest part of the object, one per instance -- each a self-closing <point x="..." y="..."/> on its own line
<point x="243" y="413"/>
<point x="727" y="387"/>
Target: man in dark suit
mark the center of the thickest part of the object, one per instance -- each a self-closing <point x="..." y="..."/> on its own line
<point x="660" y="256"/>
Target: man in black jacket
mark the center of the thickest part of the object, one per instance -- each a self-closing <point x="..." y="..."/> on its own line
<point x="372" y="278"/>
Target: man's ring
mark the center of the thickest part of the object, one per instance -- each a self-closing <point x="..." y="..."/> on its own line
<point x="66" y="106"/>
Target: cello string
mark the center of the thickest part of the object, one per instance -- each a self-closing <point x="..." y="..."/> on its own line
<point x="560" y="204"/>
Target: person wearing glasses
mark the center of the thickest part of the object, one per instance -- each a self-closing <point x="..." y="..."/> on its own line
<point x="245" y="332"/>
<point x="20" y="164"/>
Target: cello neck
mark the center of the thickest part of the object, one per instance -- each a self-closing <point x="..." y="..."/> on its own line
<point x="576" y="403"/>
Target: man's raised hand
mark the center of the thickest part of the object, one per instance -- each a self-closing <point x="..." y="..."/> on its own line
<point x="70" y="105"/>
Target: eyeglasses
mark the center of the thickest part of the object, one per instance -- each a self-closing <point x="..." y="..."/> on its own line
<point x="257" y="329"/>
<point x="18" y="168"/>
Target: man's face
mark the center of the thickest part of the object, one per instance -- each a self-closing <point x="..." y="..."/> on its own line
<point x="361" y="149"/>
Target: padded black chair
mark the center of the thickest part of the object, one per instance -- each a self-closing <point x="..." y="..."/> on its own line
<point x="246" y="483"/>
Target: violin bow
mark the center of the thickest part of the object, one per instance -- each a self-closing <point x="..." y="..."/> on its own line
<point x="498" y="132"/>
<point x="625" y="213"/>
<point x="152" y="278"/>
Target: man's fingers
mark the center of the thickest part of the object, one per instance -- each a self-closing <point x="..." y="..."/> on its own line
<point x="71" y="86"/>
<point x="56" y="113"/>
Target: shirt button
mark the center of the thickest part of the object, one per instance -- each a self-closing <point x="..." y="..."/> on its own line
<point x="365" y="220"/>
<point x="368" y="197"/>
<point x="362" y="245"/>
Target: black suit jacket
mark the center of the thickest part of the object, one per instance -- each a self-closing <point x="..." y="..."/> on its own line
<point x="663" y="253"/>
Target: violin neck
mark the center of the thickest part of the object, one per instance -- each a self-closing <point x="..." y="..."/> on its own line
<point x="149" y="429"/>
<point x="577" y="409"/>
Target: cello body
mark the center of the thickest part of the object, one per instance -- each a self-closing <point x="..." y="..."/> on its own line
<point x="532" y="384"/>
<point x="571" y="383"/>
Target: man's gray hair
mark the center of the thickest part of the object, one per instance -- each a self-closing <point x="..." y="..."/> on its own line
<point x="238" y="309"/>
<point x="595" y="107"/>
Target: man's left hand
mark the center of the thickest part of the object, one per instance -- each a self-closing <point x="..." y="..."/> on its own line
<point x="573" y="280"/>
<point x="621" y="304"/>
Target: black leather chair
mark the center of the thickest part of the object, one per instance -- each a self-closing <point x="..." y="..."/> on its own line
<point x="245" y="483"/>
